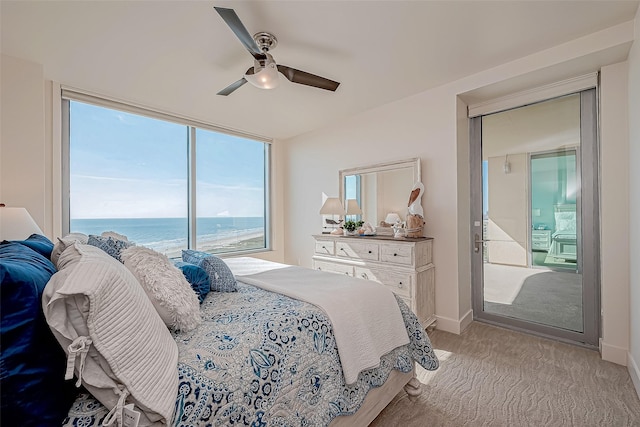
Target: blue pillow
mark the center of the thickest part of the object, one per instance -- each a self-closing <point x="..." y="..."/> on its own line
<point x="220" y="276"/>
<point x="32" y="363"/>
<point x="197" y="278"/>
<point x="38" y="243"/>
<point x="113" y="247"/>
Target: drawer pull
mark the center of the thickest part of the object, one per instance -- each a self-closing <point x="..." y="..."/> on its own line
<point x="324" y="247"/>
<point x="400" y="284"/>
<point x="369" y="251"/>
<point x="395" y="254"/>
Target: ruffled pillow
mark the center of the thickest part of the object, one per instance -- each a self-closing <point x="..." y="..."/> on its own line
<point x="165" y="285"/>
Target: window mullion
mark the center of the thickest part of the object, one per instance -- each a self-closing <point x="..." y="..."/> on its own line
<point x="191" y="170"/>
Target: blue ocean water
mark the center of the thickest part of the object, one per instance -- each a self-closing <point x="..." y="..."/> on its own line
<point x="154" y="232"/>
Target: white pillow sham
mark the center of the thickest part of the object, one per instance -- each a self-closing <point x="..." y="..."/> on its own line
<point x="95" y="302"/>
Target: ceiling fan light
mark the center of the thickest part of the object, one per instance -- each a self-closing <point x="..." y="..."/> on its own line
<point x="266" y="78"/>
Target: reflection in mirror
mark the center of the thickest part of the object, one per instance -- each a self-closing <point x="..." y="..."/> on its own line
<point x="380" y="189"/>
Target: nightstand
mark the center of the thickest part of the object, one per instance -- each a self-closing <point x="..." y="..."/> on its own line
<point x="540" y="240"/>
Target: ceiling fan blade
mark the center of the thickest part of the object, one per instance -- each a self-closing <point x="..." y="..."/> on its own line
<point x="233" y="86"/>
<point x="302" y="77"/>
<point x="233" y="21"/>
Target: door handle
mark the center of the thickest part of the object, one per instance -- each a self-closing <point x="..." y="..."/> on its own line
<point x="477" y="242"/>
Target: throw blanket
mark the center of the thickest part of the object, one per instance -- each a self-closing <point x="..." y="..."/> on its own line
<point x="365" y="316"/>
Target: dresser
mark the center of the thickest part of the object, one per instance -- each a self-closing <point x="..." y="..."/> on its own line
<point x="404" y="265"/>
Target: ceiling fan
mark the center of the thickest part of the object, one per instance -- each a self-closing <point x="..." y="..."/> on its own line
<point x="264" y="73"/>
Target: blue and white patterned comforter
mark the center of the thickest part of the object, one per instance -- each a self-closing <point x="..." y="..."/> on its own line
<point x="264" y="359"/>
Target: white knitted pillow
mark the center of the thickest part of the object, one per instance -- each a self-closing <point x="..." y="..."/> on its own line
<point x="118" y="347"/>
<point x="167" y="288"/>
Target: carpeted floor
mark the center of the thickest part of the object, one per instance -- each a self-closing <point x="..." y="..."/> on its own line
<point x="490" y="376"/>
<point x="547" y="297"/>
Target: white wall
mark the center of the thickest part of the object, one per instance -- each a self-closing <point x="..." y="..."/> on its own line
<point x="634" y="206"/>
<point x="23" y="170"/>
<point x="614" y="207"/>
<point x="431" y="125"/>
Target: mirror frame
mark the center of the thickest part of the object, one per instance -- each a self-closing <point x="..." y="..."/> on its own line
<point x="381" y="167"/>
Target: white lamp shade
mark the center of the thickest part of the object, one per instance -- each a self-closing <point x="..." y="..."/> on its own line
<point x="392" y="218"/>
<point x="332" y="206"/>
<point x="16" y="224"/>
<point x="353" y="208"/>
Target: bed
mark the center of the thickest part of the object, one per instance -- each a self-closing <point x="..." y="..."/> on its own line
<point x="263" y="358"/>
<point x="564" y="238"/>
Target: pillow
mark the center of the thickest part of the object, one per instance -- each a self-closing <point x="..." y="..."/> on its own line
<point x="65" y="242"/>
<point x="221" y="278"/>
<point x="38" y="243"/>
<point x="123" y="351"/>
<point x="197" y="278"/>
<point x="110" y="245"/>
<point x="165" y="285"/>
<point x="33" y="391"/>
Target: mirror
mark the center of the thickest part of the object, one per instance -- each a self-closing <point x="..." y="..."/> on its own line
<point x="380" y="189"/>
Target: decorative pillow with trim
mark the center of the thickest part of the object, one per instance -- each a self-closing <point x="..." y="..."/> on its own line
<point x="220" y="276"/>
<point x="165" y="285"/>
<point x="117" y="345"/>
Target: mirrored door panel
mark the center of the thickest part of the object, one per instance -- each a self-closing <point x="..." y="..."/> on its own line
<point x="530" y="253"/>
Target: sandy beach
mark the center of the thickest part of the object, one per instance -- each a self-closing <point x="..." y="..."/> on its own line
<point x="234" y="241"/>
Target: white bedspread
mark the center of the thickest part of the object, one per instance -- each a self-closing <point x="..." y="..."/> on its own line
<point x="365" y="315"/>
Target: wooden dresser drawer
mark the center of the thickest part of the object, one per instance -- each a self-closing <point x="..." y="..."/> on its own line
<point x="359" y="250"/>
<point x="333" y="267"/>
<point x="400" y="283"/>
<point x="325" y="247"/>
<point x="397" y="254"/>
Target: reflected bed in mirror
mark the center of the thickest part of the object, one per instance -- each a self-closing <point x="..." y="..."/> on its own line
<point x="380" y="189"/>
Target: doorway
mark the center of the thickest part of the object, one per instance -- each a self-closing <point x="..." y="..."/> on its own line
<point x="535" y="258"/>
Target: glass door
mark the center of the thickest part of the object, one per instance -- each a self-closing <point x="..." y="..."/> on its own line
<point x="533" y="230"/>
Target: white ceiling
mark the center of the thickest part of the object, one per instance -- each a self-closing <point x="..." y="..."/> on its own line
<point x="175" y="55"/>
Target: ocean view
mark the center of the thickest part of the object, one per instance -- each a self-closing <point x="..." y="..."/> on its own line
<point x="169" y="235"/>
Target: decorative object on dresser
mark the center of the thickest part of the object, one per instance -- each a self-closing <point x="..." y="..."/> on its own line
<point x="415" y="214"/>
<point x="351" y="227"/>
<point x="331" y="206"/>
<point x="404" y="265"/>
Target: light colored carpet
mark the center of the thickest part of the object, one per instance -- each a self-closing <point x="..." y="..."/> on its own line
<point x="490" y="376"/>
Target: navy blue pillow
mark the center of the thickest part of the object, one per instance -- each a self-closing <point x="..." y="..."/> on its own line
<point x="38" y="243"/>
<point x="197" y="277"/>
<point x="32" y="363"/>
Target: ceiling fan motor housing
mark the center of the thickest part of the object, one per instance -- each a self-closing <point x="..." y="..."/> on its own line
<point x="266" y="41"/>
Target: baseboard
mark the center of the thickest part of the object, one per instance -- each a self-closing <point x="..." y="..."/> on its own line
<point x="614" y="354"/>
<point x="634" y="372"/>
<point x="455" y="326"/>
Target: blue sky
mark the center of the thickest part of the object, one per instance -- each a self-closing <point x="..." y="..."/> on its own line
<point x="129" y="166"/>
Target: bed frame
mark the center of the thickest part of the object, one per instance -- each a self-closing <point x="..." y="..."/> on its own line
<point x="378" y="398"/>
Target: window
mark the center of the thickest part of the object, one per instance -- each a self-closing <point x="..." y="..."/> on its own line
<point x="165" y="183"/>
